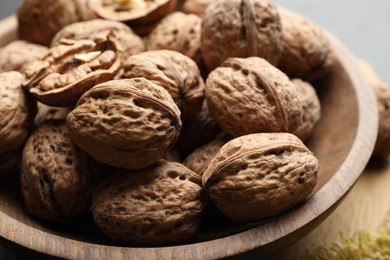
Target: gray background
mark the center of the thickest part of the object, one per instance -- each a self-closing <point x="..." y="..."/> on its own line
<point x="363" y="26"/>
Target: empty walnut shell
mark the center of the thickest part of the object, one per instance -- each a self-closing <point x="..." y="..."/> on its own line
<point x="260" y="175"/>
<point x="17" y="112"/>
<point x="382" y="145"/>
<point x="39" y="21"/>
<point x="16" y="55"/>
<point x="129" y="42"/>
<point x="175" y="72"/>
<point x="197" y="7"/>
<point x="128" y="123"/>
<point x="140" y="15"/>
<point x="311" y="108"/>
<point x="250" y="95"/>
<point x="241" y="28"/>
<point x="158" y="205"/>
<point x="178" y="32"/>
<point x="306" y="52"/>
<point x="57" y="178"/>
<point x="71" y="68"/>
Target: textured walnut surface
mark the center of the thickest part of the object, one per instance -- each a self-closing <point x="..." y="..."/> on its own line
<point x="158" y="205"/>
<point x="129" y="42"/>
<point x="128" y="123"/>
<point x="17" y="111"/>
<point x="306" y="52"/>
<point x="311" y="108"/>
<point x="249" y="95"/>
<point x="173" y="71"/>
<point x="241" y="28"/>
<point x="260" y="175"/>
<point x="382" y="145"/>
<point x="178" y="32"/>
<point x="195" y="6"/>
<point x="72" y="67"/>
<point x="57" y="178"/>
<point x="39" y="21"/>
<point x="16" y="55"/>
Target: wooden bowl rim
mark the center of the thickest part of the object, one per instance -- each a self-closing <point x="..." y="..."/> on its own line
<point x="338" y="186"/>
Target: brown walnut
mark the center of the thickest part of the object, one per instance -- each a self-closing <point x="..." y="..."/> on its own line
<point x="158" y="205"/>
<point x="249" y="95"/>
<point x="241" y="28"/>
<point x="382" y="145"/>
<point x="57" y="178"/>
<point x="261" y="175"/>
<point x="128" y="123"/>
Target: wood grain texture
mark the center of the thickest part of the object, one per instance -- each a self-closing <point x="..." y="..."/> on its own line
<point x="343" y="141"/>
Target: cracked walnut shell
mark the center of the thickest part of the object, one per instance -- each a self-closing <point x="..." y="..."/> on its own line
<point x="249" y="95"/>
<point x="158" y="205"/>
<point x="57" y="178"/>
<point x="258" y="176"/>
<point x="128" y="123"/>
<point x="241" y="28"/>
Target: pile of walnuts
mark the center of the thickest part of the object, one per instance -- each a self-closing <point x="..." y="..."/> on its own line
<point x="144" y="112"/>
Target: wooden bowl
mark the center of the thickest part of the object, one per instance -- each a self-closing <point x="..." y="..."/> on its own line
<point x="343" y="141"/>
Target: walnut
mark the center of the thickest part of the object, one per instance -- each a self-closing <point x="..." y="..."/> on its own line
<point x="140" y="15"/>
<point x="129" y="43"/>
<point x="307" y="53"/>
<point x="382" y="145"/>
<point x="71" y="68"/>
<point x="57" y="178"/>
<point x="199" y="159"/>
<point x="128" y="123"/>
<point x="45" y="113"/>
<point x="158" y="205"/>
<point x="16" y="55"/>
<point x="311" y="108"/>
<point x="178" y="32"/>
<point x="175" y="72"/>
<point x="260" y="175"/>
<point x="268" y="101"/>
<point x="197" y="7"/>
<point x="17" y="112"/>
<point x="39" y="21"/>
<point x="241" y="29"/>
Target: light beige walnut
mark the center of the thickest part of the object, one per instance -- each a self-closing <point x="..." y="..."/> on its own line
<point x="262" y="175"/>
<point x="128" y="42"/>
<point x="128" y="123"/>
<point x="17" y="112"/>
<point x="311" y="108"/>
<point x="307" y="53"/>
<point x="197" y="7"/>
<point x="382" y="145"/>
<point x="158" y="205"/>
<point x="16" y="55"/>
<point x="173" y="71"/>
<point x="249" y="95"/>
<point x="200" y="159"/>
<point x="57" y="178"/>
<point x="39" y="21"/>
<point x="241" y="28"/>
<point x="71" y="68"/>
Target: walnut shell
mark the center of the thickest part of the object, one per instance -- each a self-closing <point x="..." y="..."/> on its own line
<point x="57" y="178"/>
<point x="249" y="95"/>
<point x="241" y="29"/>
<point x="140" y="15"/>
<point x="307" y="53"/>
<point x="178" y="32"/>
<point x="175" y="72"/>
<point x="260" y="175"/>
<point x="71" y="68"/>
<point x="199" y="159"/>
<point x="382" y="145"/>
<point x="16" y="55"/>
<point x="128" y="123"/>
<point x="158" y="205"/>
<point x="311" y="108"/>
<point x="45" y="113"/>
<point x="197" y="7"/>
<point x="17" y="112"/>
<point x="39" y="21"/>
<point x="129" y="42"/>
